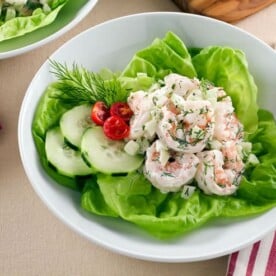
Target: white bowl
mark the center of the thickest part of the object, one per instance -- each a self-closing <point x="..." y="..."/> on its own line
<point x="111" y="45"/>
<point x="70" y="15"/>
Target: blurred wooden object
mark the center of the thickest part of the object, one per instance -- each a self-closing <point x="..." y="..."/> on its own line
<point x="226" y="10"/>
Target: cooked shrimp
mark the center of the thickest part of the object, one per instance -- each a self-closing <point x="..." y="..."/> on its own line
<point x="135" y="99"/>
<point x="171" y="175"/>
<point x="188" y="130"/>
<point x="227" y="125"/>
<point x="212" y="177"/>
<point x="141" y="104"/>
<point x="145" y="107"/>
<point x="232" y="153"/>
<point x="180" y="85"/>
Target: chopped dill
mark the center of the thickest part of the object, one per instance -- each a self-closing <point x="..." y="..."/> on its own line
<point x="167" y="174"/>
<point x="205" y="85"/>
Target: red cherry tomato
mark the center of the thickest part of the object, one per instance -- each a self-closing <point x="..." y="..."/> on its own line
<point x="116" y="128"/>
<point x="121" y="110"/>
<point x="99" y="113"/>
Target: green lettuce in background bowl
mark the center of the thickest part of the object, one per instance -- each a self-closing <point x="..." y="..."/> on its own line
<point x="23" y="34"/>
<point x="22" y="25"/>
<point x="132" y="197"/>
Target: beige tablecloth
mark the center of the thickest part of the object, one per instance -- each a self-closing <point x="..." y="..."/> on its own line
<point x="32" y="240"/>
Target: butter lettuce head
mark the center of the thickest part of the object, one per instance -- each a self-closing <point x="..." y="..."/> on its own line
<point x="132" y="197"/>
<point x="19" y="26"/>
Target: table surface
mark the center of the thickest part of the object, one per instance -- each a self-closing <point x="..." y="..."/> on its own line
<point x="32" y="240"/>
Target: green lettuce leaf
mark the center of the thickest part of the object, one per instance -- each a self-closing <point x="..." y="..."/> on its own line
<point x="19" y="26"/>
<point x="93" y="200"/>
<point x="140" y="82"/>
<point x="228" y="68"/>
<point x="48" y="111"/>
<point x="55" y="3"/>
<point x="134" y="199"/>
<point x="162" y="57"/>
<point x="260" y="186"/>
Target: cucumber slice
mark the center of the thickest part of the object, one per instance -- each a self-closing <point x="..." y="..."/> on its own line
<point x="74" y="122"/>
<point x="105" y="155"/>
<point x="67" y="161"/>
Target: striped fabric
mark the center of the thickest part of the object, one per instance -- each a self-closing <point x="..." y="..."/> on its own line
<point x="258" y="259"/>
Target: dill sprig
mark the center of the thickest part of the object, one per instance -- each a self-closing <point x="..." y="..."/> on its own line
<point x="78" y="85"/>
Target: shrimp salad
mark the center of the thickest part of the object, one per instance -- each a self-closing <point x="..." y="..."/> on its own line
<point x="189" y="134"/>
<point x="171" y="142"/>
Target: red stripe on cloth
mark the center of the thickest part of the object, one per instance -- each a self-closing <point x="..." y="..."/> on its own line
<point x="232" y="263"/>
<point x="252" y="258"/>
<point x="271" y="263"/>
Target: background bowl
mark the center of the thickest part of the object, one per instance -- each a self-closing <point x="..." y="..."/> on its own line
<point x="69" y="16"/>
<point x="111" y="45"/>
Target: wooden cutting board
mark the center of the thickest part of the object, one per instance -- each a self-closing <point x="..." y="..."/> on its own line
<point x="226" y="10"/>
